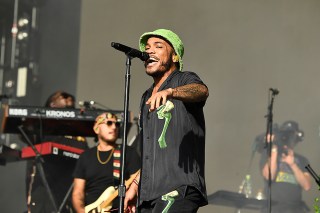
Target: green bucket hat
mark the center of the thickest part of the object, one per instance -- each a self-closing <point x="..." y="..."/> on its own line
<point x="168" y="35"/>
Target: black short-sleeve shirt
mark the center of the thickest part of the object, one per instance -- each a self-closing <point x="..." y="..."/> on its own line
<point x="285" y="187"/>
<point x="181" y="163"/>
<point x="100" y="176"/>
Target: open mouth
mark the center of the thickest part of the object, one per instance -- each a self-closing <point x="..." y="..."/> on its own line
<point x="152" y="60"/>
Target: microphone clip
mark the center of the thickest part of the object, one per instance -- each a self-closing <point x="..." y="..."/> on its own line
<point x="87" y="104"/>
<point x="274" y="91"/>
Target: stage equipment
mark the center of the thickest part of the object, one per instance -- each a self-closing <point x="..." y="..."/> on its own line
<point x="269" y="116"/>
<point x="51" y="148"/>
<point x="130" y="53"/>
<point x="236" y="200"/>
<point x="313" y="174"/>
<point x="53" y="121"/>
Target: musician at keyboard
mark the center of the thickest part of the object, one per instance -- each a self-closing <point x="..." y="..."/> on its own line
<point x="57" y="169"/>
<point x="97" y="171"/>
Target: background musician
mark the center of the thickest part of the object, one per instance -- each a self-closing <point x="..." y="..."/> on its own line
<point x="98" y="168"/>
<point x="57" y="169"/>
<point x="289" y="176"/>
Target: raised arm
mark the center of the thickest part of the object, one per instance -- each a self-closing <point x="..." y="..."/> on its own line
<point x="187" y="93"/>
<point x="273" y="164"/>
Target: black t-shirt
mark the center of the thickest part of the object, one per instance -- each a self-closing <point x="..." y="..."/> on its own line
<point x="285" y="187"/>
<point x="181" y="163"/>
<point x="100" y="176"/>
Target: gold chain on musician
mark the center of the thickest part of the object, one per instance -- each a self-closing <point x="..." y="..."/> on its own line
<point x="98" y="156"/>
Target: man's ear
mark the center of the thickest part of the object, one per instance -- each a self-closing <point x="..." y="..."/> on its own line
<point x="175" y="58"/>
<point x="96" y="129"/>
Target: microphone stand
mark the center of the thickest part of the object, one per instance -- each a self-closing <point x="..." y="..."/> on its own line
<point x="313" y="174"/>
<point x="122" y="187"/>
<point x="269" y="144"/>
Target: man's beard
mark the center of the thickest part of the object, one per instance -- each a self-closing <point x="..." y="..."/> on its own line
<point x="161" y="70"/>
<point x="107" y="140"/>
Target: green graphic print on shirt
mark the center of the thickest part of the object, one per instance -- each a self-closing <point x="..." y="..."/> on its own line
<point x="285" y="174"/>
<point x="164" y="113"/>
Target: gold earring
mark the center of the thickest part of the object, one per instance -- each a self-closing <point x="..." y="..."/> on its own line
<point x="175" y="58"/>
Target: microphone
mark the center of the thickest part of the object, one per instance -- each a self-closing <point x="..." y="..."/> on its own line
<point x="134" y="53"/>
<point x="274" y="91"/>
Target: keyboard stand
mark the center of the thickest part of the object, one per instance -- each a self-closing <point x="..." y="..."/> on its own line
<point x="39" y="161"/>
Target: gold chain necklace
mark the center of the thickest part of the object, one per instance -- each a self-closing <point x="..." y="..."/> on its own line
<point x="98" y="156"/>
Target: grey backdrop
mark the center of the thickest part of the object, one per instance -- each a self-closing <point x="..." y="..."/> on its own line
<point x="240" y="48"/>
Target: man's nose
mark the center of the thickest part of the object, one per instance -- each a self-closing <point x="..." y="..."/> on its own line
<point x="150" y="50"/>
